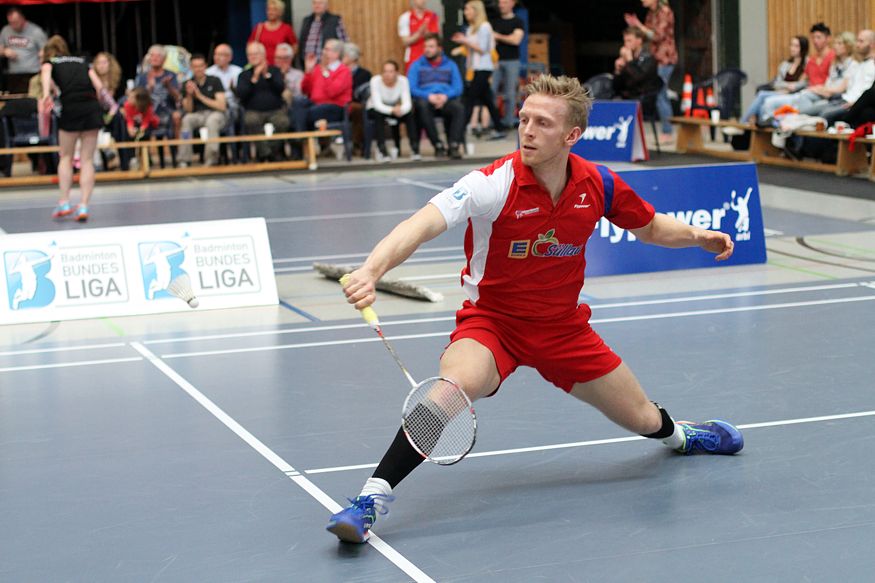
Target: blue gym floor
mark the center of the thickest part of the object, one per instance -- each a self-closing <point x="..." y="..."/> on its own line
<point x="212" y="446"/>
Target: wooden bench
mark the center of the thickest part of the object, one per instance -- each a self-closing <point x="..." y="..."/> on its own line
<point x="146" y="171"/>
<point x="762" y="151"/>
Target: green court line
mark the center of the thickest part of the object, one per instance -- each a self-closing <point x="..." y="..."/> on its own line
<point x="801" y="270"/>
<point x="865" y="250"/>
<point x="113" y="326"/>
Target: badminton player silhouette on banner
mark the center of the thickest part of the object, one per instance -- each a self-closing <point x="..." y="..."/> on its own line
<point x="523" y="277"/>
<point x="160" y="260"/>
<point x="27" y="273"/>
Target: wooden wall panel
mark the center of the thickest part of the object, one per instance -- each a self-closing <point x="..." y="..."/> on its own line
<point x="373" y="26"/>
<point x="788" y="18"/>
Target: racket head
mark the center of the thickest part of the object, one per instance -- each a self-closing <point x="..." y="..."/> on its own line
<point x="438" y="420"/>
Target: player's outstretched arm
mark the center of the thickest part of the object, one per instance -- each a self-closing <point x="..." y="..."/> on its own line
<point x="667" y="231"/>
<point x="426" y="224"/>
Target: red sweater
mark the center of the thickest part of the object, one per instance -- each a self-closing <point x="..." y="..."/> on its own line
<point x="140" y="119"/>
<point x="271" y="38"/>
<point x="336" y="88"/>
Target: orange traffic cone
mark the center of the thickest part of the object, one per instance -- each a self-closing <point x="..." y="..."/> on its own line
<point x="710" y="101"/>
<point x="687" y="96"/>
<point x="700" y="109"/>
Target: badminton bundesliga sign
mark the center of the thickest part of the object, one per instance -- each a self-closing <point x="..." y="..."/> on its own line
<point x="722" y="197"/>
<point x="65" y="275"/>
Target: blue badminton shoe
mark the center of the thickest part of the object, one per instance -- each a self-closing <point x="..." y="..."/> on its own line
<point x="62" y="210"/>
<point x="353" y="523"/>
<point x="713" y="436"/>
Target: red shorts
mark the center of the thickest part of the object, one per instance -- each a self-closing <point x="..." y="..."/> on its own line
<point x="563" y="352"/>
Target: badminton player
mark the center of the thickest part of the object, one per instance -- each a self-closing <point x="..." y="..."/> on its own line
<point x="528" y="218"/>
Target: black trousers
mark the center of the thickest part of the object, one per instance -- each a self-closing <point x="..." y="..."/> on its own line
<point x="380" y="120"/>
<point x="863" y="109"/>
<point x="453" y="113"/>
<point x="479" y="92"/>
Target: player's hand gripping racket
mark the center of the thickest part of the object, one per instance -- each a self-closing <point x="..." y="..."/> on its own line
<point x="438" y="418"/>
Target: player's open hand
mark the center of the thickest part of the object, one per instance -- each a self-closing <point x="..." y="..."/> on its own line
<point x="360" y="288"/>
<point x="719" y="243"/>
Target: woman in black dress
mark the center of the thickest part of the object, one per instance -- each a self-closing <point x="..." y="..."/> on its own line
<point x="81" y="117"/>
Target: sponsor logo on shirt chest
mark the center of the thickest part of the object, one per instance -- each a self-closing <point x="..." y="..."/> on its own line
<point x="546" y="245"/>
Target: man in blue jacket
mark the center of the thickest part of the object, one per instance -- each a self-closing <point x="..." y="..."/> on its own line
<point x="436" y="88"/>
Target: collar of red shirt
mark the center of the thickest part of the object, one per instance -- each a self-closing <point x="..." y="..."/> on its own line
<point x="525" y="177"/>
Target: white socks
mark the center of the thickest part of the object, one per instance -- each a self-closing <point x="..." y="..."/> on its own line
<point x="378" y="486"/>
<point x="677" y="439"/>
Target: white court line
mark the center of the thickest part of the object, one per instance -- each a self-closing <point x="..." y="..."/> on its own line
<point x="63" y="349"/>
<point x="609" y="441"/>
<point x="666" y="315"/>
<point x="352" y="255"/>
<point x="299" y="330"/>
<point x="436" y="187"/>
<point x="307" y="218"/>
<point x="155" y="197"/>
<point x="451" y="318"/>
<point x="69" y="364"/>
<point x="301" y="345"/>
<point x="312" y="489"/>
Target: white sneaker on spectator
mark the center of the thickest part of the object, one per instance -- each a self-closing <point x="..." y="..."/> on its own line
<point x="415" y="156"/>
<point x="183" y="164"/>
<point x="393" y="153"/>
<point x="382" y="158"/>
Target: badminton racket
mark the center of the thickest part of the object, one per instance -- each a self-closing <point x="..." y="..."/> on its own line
<point x="437" y="417"/>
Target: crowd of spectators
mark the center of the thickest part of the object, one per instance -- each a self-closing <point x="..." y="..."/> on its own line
<point x="305" y="81"/>
<point x="313" y="79"/>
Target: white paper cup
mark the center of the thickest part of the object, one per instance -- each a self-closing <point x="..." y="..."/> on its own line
<point x="715" y="115"/>
<point x="469" y="148"/>
<point x="104" y="139"/>
<point x="204" y="134"/>
<point x="268" y="129"/>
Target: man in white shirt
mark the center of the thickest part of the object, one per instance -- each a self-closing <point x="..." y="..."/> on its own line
<point x="227" y="72"/>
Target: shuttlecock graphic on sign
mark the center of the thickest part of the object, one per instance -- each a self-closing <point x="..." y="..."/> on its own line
<point x="181" y="288"/>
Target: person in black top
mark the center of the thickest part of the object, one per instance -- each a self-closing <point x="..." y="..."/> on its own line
<point x="508" y="30"/>
<point x="204" y="102"/>
<point x="81" y="117"/>
<point x="635" y="70"/>
<point x="260" y="90"/>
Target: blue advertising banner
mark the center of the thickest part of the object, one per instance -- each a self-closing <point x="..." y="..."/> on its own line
<point x="614" y="132"/>
<point x="722" y="197"/>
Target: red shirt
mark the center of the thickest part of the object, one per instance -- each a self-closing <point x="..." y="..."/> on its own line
<point x="137" y="119"/>
<point x="271" y="38"/>
<point x="324" y="86"/>
<point x="818" y="73"/>
<point x="409" y="23"/>
<point x="525" y="256"/>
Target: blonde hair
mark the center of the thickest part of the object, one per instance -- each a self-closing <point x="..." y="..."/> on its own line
<point x="575" y="95"/>
<point x="849" y="39"/>
<point x="56" y="46"/>
<point x="113" y="77"/>
<point x="479" y="14"/>
<point x="277" y="4"/>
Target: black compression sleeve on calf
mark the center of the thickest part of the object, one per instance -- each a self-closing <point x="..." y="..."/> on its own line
<point x="667" y="428"/>
<point x="398" y="461"/>
<point x="401" y="458"/>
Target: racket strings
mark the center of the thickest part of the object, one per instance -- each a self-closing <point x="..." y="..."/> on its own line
<point x="439" y="421"/>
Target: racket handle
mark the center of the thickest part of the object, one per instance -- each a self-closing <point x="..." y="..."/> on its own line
<point x="369" y="315"/>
